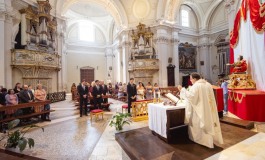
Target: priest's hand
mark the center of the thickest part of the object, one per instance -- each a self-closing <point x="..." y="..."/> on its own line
<point x="179" y="87"/>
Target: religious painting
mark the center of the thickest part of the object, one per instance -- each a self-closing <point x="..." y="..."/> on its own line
<point x="187" y="57"/>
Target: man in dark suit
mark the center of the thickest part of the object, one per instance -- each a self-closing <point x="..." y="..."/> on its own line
<point x="105" y="90"/>
<point x="83" y="94"/>
<point x="131" y="93"/>
<point x="97" y="95"/>
<point x="26" y="96"/>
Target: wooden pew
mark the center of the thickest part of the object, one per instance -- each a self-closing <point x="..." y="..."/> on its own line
<point x="38" y="110"/>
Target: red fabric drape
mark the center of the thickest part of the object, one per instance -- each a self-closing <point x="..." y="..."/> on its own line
<point x="256" y="15"/>
<point x="234" y="33"/>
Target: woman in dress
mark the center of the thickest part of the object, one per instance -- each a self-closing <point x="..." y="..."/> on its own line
<point x="156" y="91"/>
<point x="40" y="95"/>
<point x="149" y="91"/>
<point x="73" y="91"/>
<point x="140" y="92"/>
<point x="121" y="90"/>
<point x="11" y="99"/>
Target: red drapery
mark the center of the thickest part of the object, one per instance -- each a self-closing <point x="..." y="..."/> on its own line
<point x="257" y="16"/>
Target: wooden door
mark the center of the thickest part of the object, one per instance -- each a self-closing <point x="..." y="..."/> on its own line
<point x="171" y="75"/>
<point x="87" y="73"/>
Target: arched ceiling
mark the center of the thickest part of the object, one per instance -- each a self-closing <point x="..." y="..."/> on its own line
<point x="89" y="10"/>
<point x="113" y="8"/>
<point x="203" y="9"/>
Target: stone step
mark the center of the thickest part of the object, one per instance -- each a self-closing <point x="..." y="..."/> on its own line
<point x="237" y="122"/>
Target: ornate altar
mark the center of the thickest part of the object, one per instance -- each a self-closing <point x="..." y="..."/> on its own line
<point x="241" y="81"/>
<point x="35" y="53"/>
<point x="142" y="63"/>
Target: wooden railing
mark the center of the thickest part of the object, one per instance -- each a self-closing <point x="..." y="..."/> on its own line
<point x="56" y="96"/>
<point x="38" y="108"/>
<point x="140" y="110"/>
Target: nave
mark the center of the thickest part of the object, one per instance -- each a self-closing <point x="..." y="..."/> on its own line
<point x="69" y="136"/>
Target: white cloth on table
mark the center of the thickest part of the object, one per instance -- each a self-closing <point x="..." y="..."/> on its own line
<point x="157" y="115"/>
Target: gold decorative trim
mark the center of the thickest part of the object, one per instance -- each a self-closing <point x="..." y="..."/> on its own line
<point x="236" y="98"/>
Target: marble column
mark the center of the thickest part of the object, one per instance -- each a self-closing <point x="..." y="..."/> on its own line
<point x="175" y="56"/>
<point x="125" y="56"/>
<point x="204" y="57"/>
<point x="231" y="12"/>
<point x="120" y="64"/>
<point x="162" y="50"/>
<point x="60" y="49"/>
<point x="6" y="43"/>
<point x="109" y="65"/>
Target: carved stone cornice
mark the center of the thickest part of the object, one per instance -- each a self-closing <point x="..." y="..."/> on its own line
<point x="161" y="39"/>
<point x="204" y="45"/>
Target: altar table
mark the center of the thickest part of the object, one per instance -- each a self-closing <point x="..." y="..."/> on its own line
<point x="247" y="104"/>
<point x="158" y="117"/>
<point x="219" y="98"/>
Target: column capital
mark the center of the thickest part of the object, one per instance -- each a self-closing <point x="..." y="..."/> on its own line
<point x="175" y="41"/>
<point x="229" y="5"/>
<point x="6" y="16"/>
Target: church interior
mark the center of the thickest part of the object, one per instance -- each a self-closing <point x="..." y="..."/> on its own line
<point x="123" y="79"/>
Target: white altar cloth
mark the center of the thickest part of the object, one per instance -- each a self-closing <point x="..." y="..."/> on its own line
<point x="157" y="116"/>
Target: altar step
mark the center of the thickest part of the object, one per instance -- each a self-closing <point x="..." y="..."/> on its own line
<point x="237" y="122"/>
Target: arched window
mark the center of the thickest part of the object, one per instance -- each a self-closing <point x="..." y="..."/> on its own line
<point x="185" y="18"/>
<point x="86" y="32"/>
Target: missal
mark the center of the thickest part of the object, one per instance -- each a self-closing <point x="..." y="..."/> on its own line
<point x="172" y="97"/>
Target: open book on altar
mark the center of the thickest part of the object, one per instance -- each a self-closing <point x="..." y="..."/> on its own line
<point x="172" y="97"/>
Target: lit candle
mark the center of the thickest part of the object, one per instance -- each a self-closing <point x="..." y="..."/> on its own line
<point x="158" y="94"/>
<point x="154" y="95"/>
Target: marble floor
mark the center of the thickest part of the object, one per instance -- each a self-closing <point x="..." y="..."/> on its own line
<point x="68" y="136"/>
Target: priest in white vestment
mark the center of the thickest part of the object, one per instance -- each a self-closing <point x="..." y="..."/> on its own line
<point x="201" y="112"/>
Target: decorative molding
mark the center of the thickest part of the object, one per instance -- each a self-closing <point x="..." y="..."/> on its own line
<point x="161" y="39"/>
<point x="204" y="45"/>
<point x="174" y="41"/>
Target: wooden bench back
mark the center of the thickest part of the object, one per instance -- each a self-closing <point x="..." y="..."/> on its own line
<point x="25" y="105"/>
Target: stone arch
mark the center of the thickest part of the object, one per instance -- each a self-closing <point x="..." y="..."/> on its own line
<point x="210" y="12"/>
<point x="73" y="24"/>
<point x="114" y="7"/>
<point x="173" y="6"/>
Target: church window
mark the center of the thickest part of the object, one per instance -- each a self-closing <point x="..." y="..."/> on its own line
<point x="86" y="32"/>
<point x="185" y="18"/>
